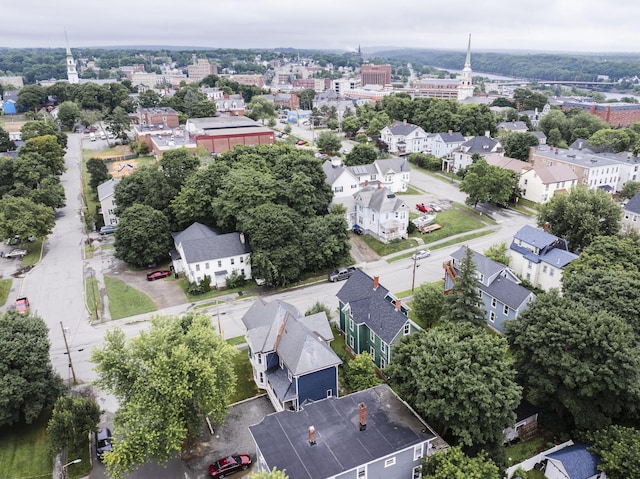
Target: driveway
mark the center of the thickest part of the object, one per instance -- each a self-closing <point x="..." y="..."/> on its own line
<point x="360" y="251"/>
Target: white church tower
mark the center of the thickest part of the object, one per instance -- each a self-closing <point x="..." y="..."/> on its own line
<point x="465" y="89"/>
<point x="72" y="74"/>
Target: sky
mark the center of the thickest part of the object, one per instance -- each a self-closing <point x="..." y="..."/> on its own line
<point x="495" y="25"/>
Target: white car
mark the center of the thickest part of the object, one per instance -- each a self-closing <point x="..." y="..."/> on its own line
<point x="423" y="253"/>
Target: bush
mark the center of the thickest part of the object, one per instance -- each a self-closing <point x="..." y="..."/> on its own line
<point x="318" y="307"/>
<point x="235" y="280"/>
<point x="428" y="162"/>
<point x="204" y="286"/>
<point x="140" y="148"/>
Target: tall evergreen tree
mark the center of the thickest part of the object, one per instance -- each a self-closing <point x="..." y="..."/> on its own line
<point x="464" y="300"/>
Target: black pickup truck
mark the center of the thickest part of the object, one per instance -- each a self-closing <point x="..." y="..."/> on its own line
<point x="341" y="273"/>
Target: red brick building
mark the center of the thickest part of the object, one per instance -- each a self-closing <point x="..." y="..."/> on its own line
<point x="375" y="75"/>
<point x="223" y="133"/>
<point x="158" y="116"/>
<point x="616" y="114"/>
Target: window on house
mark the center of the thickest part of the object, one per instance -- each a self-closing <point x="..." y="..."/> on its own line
<point x="351" y="342"/>
<point x="242" y="259"/>
<point x="232" y="261"/>
<point x="372" y="353"/>
<point x="373" y="177"/>
<point x="383" y="363"/>
<point x="219" y="263"/>
<point x="418" y="452"/>
<point x="197" y="267"/>
<point x="261" y="377"/>
<point x="505" y="310"/>
<point x="372" y="336"/>
<point x="289" y="376"/>
<point x="492" y="316"/>
<point x="351" y="324"/>
<point x="206" y="266"/>
<point x="338" y="189"/>
<point x="417" y="472"/>
<point x="329" y="393"/>
<point x="544" y="268"/>
<point x="528" y="264"/>
<point x="362" y="472"/>
<point x="383" y="347"/>
<point x="551" y="271"/>
<point x="493" y="302"/>
<point x="373" y="218"/>
<point x="259" y="358"/>
<point x="390" y="462"/>
<point x="407" y="329"/>
<point x="242" y="271"/>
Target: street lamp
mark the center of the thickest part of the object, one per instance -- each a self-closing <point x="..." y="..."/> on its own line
<point x="64" y="468"/>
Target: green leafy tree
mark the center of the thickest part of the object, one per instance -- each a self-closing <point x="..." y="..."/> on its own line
<point x="619" y="451"/>
<point x="49" y="151"/>
<point x="583" y="365"/>
<point x="516" y="145"/>
<point x="261" y="109"/>
<point x="166" y="380"/>
<point x="148" y="186"/>
<point x="461" y="379"/>
<point x="306" y="98"/>
<point x="6" y="143"/>
<point x="484" y="182"/>
<point x="429" y="304"/>
<point x="555" y="139"/>
<point x="463" y="302"/>
<point x="328" y="142"/>
<point x="630" y="189"/>
<point x="287" y="129"/>
<point x="118" y="123"/>
<point x="98" y="171"/>
<point x="23" y="218"/>
<point x="68" y="114"/>
<point x="274" y="474"/>
<point x="142" y="236"/>
<point x="581" y="216"/>
<point x="149" y="99"/>
<point x="202" y="109"/>
<point x="28" y="383"/>
<point x="498" y="252"/>
<point x="318" y="307"/>
<point x="49" y="193"/>
<point x="453" y="463"/>
<point x="361" y="155"/>
<point x="527" y="99"/>
<point x="351" y="125"/>
<point x="31" y="98"/>
<point x="610" y="140"/>
<point x="178" y="165"/>
<point x="360" y="373"/>
<point x="72" y="419"/>
<point x="325" y="240"/>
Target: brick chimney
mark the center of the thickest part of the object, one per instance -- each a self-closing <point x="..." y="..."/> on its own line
<point x="398" y="304"/>
<point x="366" y="182"/>
<point x="242" y="238"/>
<point x="404" y="122"/>
<point x="376" y="280"/>
<point x="379" y="185"/>
<point x="546" y="227"/>
<point x="312" y="435"/>
<point x="363" y="416"/>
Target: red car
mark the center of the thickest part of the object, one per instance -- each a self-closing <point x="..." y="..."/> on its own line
<point x="22" y="305"/>
<point x="301" y="142"/>
<point x="424" y="208"/>
<point x="229" y="465"/>
<point x="158" y="275"/>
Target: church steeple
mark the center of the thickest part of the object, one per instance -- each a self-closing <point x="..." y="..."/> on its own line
<point x="72" y="74"/>
<point x="465" y="88"/>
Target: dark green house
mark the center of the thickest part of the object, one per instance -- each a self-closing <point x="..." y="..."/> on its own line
<point x="372" y="319"/>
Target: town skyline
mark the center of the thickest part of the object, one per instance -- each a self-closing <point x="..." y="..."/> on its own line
<point x="560" y="26"/>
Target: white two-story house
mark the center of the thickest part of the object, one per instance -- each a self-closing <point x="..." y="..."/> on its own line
<point x="392" y="173"/>
<point x="403" y="138"/>
<point x="441" y="145"/>
<point x="539" y="183"/>
<point x="107" y="200"/>
<point x="462" y="156"/>
<point x="379" y="212"/>
<point x="201" y="250"/>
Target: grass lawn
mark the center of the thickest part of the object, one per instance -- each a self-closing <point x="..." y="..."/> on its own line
<point x="214" y="293"/>
<point x="24" y="450"/>
<point x="411" y="190"/>
<point x="125" y="301"/>
<point x="92" y="296"/>
<point x="524" y="450"/>
<point x="453" y="222"/>
<point x="245" y="385"/>
<point x="5" y="287"/>
<point x="235" y="341"/>
<point x="34" y="252"/>
<point x="384" y="249"/>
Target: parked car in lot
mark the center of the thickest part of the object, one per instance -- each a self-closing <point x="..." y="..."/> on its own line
<point x="16" y="253"/>
<point x="424" y="208"/>
<point x="107" y="230"/>
<point x="301" y="142"/>
<point x="22" y="305"/>
<point x="341" y="273"/>
<point x="103" y="442"/>
<point x="357" y="229"/>
<point x="435" y="207"/>
<point x="158" y="274"/>
<point x="423" y="253"/>
<point x="230" y="464"/>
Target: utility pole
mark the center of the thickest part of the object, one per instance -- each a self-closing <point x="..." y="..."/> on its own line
<point x="66" y="344"/>
<point x="413" y="281"/>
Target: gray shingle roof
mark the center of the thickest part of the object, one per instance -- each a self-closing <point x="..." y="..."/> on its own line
<point x="401" y="128"/>
<point x="379" y="199"/>
<point x="485" y="266"/>
<point x="479" y="144"/>
<point x="299" y="341"/>
<point x="633" y="205"/>
<point x="106" y="189"/>
<point x="392" y="165"/>
<point x="535" y="237"/>
<point x="578" y="461"/>
<point x="512" y="125"/>
<point x="340" y="445"/>
<point x="372" y="307"/>
<point x="203" y="243"/>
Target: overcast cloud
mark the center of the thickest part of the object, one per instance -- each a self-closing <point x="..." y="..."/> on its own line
<point x="548" y="25"/>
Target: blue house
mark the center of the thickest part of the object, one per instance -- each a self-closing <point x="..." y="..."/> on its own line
<point x="290" y="354"/>
<point x="9" y="100"/>
<point x="573" y="462"/>
<point x="502" y="296"/>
